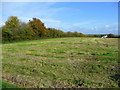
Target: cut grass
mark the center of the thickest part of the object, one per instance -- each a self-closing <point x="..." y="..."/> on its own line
<point x="61" y="62"/>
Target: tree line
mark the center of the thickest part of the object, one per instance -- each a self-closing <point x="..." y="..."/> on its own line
<point x="16" y="30"/>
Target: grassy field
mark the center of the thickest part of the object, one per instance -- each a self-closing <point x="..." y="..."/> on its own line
<point x="62" y="62"/>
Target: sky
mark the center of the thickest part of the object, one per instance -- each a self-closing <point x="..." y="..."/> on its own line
<point x="83" y="17"/>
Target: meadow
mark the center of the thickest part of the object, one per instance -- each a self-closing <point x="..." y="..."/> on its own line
<point x="74" y="62"/>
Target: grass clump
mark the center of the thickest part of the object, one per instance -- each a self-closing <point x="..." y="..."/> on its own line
<point x="23" y="59"/>
<point x="80" y="53"/>
<point x="8" y="85"/>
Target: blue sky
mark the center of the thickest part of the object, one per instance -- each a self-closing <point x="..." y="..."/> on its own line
<point x="84" y="17"/>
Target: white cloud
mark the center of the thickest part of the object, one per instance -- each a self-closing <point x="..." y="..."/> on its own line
<point x="94" y="28"/>
<point x="1" y="24"/>
<point x="107" y="26"/>
<point x="49" y="20"/>
<point x="25" y="19"/>
<point x="45" y="20"/>
<point x="28" y="10"/>
<point x="85" y="22"/>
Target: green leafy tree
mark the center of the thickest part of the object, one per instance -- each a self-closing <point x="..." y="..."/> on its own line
<point x="15" y="30"/>
<point x="12" y="22"/>
<point x="76" y="34"/>
<point x="52" y="32"/>
<point x="10" y="26"/>
<point x="23" y="32"/>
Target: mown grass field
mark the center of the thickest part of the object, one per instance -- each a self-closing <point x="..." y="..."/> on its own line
<point x="62" y="62"/>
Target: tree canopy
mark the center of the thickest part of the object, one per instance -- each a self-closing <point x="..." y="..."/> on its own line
<point x="16" y="30"/>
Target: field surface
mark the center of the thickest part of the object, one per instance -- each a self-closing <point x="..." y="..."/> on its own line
<point x="61" y="62"/>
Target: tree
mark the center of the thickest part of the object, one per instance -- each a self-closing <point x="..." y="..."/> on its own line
<point x="24" y="31"/>
<point x="12" y="22"/>
<point x="111" y="35"/>
<point x="82" y="35"/>
<point x="15" y="30"/>
<point x="38" y="27"/>
<point x="10" y="26"/>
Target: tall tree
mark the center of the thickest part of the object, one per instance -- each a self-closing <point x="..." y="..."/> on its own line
<point x="38" y="27"/>
<point x="12" y="22"/>
<point x="11" y="25"/>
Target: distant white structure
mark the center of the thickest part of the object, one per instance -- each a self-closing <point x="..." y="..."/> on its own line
<point x="104" y="36"/>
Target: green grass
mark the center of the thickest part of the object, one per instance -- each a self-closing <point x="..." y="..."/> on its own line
<point x="8" y="85"/>
<point x="62" y="62"/>
<point x="23" y="59"/>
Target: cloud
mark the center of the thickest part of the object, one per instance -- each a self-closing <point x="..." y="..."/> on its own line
<point x="95" y="28"/>
<point x="1" y="24"/>
<point x="25" y="19"/>
<point x="51" y="21"/>
<point x="107" y="26"/>
<point x="105" y="29"/>
<point x="45" y="20"/>
<point x="85" y="22"/>
<point x="27" y="10"/>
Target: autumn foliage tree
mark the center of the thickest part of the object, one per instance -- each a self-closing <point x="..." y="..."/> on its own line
<point x="38" y="27"/>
